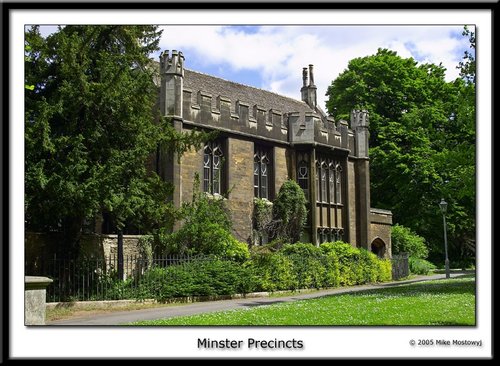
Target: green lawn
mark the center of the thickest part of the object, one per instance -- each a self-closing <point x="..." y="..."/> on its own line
<point x="441" y="302"/>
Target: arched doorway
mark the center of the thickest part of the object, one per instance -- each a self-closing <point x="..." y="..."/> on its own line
<point x="378" y="247"/>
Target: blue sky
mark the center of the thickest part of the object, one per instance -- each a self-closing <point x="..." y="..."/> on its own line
<point x="272" y="57"/>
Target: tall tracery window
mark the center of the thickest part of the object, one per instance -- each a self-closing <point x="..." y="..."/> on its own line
<point x="329" y="201"/>
<point x="338" y="183"/>
<point x="262" y="165"/>
<point x="213" y="156"/>
<point x="324" y="174"/>
<point x="328" y="181"/>
<point x="331" y="182"/>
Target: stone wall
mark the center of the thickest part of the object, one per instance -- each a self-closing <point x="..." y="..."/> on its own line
<point x="380" y="229"/>
<point x="39" y="245"/>
<point x="191" y="163"/>
<point x="240" y="184"/>
<point x="282" y="167"/>
<point x="41" y="249"/>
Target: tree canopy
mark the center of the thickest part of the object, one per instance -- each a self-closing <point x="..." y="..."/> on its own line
<point x="91" y="127"/>
<point x="422" y="142"/>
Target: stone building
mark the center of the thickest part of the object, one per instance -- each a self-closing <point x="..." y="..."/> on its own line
<point x="264" y="139"/>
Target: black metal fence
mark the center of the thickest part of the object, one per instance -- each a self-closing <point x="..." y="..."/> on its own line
<point x="88" y="279"/>
<point x="400" y="266"/>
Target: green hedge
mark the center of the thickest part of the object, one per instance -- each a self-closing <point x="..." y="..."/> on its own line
<point x="275" y="272"/>
<point x="308" y="264"/>
<point x="303" y="265"/>
<point x="385" y="270"/>
<point x="348" y="262"/>
<point x="295" y="266"/>
<point x="197" y="278"/>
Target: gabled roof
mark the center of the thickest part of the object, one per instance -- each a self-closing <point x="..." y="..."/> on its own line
<point x="196" y="81"/>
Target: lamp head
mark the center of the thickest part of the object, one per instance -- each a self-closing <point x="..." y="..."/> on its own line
<point x="443" y="205"/>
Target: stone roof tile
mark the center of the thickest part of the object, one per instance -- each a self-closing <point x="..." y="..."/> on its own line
<point x="196" y="81"/>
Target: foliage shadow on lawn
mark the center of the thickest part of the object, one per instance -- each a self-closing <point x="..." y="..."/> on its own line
<point x="262" y="303"/>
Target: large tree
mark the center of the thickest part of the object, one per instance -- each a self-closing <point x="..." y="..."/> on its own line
<point x="422" y="143"/>
<point x="91" y="127"/>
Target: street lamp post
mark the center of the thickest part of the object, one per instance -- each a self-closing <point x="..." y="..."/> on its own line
<point x="444" y="205"/>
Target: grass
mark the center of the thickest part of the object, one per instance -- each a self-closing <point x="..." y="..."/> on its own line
<point x="440" y="302"/>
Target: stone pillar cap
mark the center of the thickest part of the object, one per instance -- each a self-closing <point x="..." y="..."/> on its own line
<point x="36" y="282"/>
<point x="37" y="279"/>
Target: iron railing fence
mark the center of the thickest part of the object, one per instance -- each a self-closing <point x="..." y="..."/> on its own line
<point x="91" y="278"/>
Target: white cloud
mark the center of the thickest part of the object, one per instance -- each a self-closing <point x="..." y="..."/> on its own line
<point x="277" y="53"/>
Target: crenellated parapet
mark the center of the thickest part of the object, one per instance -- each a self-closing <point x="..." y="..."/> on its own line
<point x="200" y="100"/>
<point x="298" y="127"/>
<point x="312" y="128"/>
<point x="239" y="116"/>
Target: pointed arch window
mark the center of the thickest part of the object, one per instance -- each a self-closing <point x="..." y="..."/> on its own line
<point x="324" y="179"/>
<point x="331" y="182"/>
<point x="213" y="156"/>
<point x="262" y="167"/>
<point x="338" y="184"/>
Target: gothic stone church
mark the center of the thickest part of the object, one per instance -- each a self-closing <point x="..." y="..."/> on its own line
<point x="264" y="139"/>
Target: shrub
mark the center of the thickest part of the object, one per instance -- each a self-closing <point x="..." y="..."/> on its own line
<point x="357" y="265"/>
<point x="465" y="263"/>
<point x="289" y="212"/>
<point x="206" y="230"/>
<point x="261" y="219"/>
<point x="384" y="271"/>
<point x="404" y="240"/>
<point x="146" y="248"/>
<point x="109" y="287"/>
<point x="204" y="277"/>
<point x="236" y="250"/>
<point x="420" y="266"/>
<point x="151" y="283"/>
<point x="275" y="271"/>
<point x="368" y="267"/>
<point x="348" y="257"/>
<point x="308" y="264"/>
<point x="332" y="275"/>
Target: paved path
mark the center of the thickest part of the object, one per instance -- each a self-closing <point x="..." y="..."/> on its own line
<point x="124" y="317"/>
